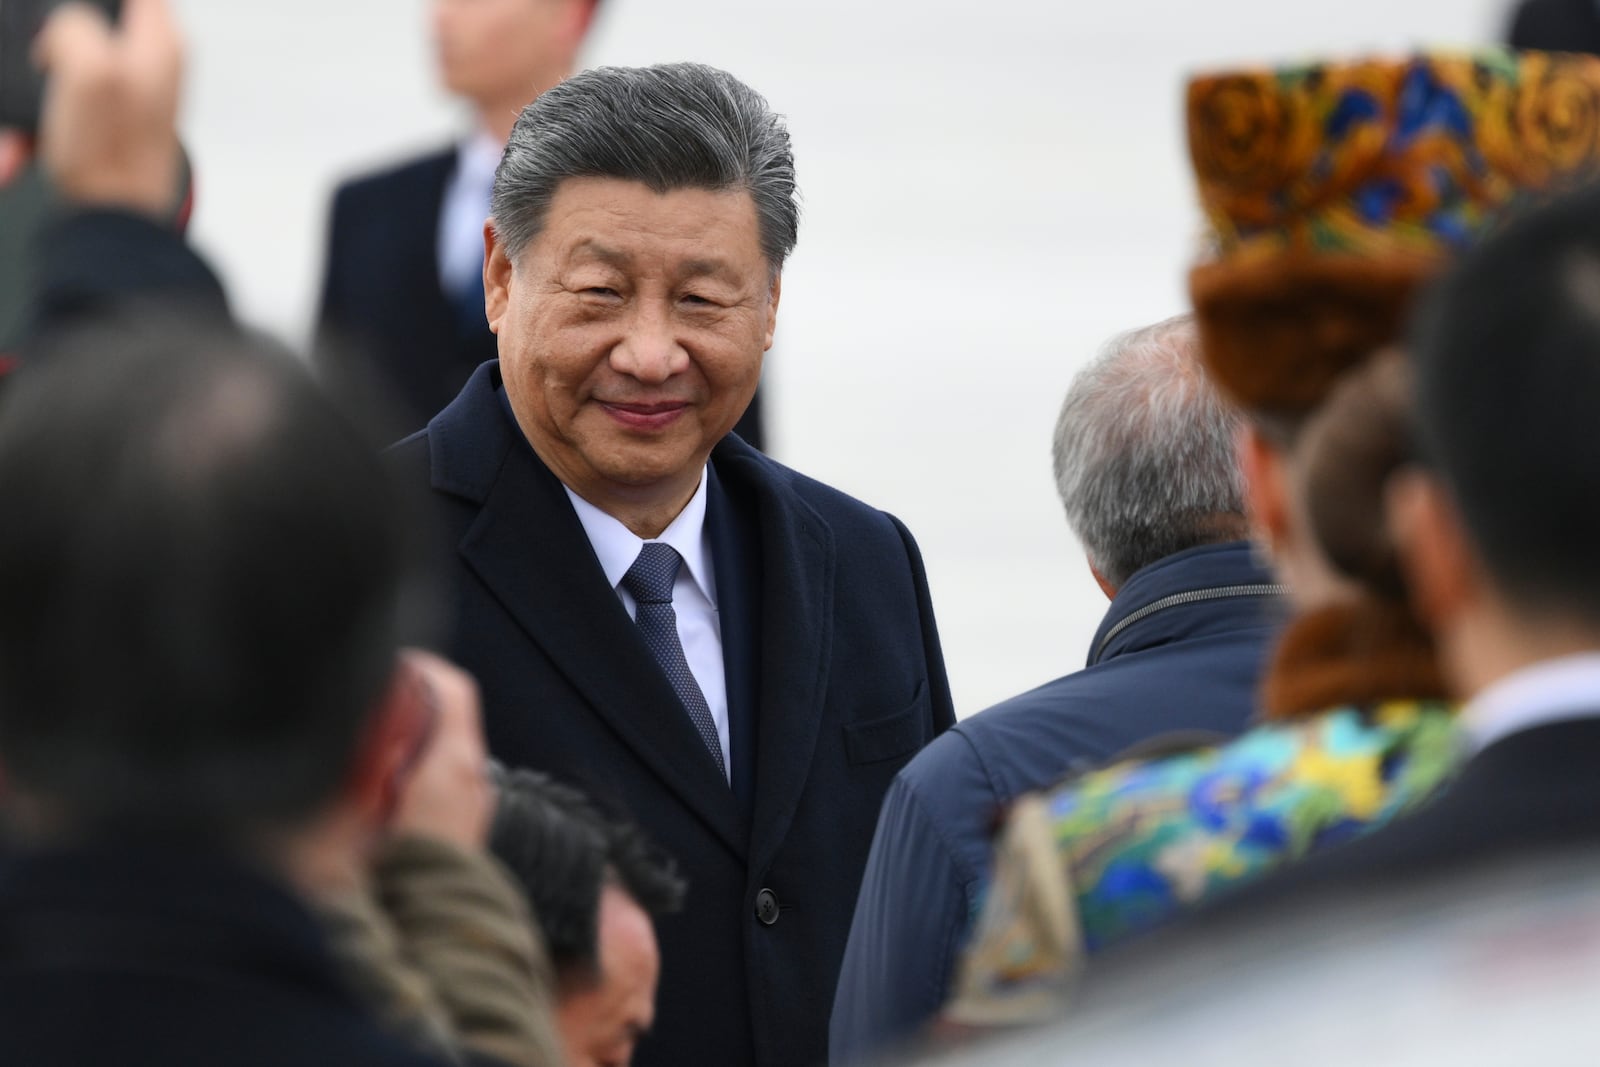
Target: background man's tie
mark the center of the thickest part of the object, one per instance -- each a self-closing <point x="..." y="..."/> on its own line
<point x="649" y="582"/>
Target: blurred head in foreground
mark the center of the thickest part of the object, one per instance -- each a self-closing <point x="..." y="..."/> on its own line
<point x="596" y="886"/>
<point x="1500" y="534"/>
<point x="205" y="577"/>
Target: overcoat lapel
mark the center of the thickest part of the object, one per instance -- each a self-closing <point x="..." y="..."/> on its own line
<point x="797" y="567"/>
<point x="736" y="558"/>
<point x="530" y="550"/>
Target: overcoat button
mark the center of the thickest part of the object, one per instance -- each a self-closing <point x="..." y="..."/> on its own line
<point x="767" y="907"/>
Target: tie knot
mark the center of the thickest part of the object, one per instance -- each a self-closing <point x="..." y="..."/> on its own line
<point x="649" y="580"/>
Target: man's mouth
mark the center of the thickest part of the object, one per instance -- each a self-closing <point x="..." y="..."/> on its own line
<point x="652" y="415"/>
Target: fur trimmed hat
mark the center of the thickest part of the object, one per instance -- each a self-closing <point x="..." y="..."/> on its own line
<point x="1334" y="191"/>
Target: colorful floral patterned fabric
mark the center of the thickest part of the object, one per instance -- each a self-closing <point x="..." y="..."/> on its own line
<point x="1116" y="851"/>
<point x="1385" y="157"/>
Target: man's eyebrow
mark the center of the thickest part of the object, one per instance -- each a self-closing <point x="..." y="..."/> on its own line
<point x="700" y="268"/>
<point x="604" y="253"/>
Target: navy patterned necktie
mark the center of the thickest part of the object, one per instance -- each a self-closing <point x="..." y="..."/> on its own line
<point x="649" y="581"/>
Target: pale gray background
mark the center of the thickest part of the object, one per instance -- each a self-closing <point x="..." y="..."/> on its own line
<point x="991" y="189"/>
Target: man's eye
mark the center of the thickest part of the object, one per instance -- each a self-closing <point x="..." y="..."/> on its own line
<point x="600" y="290"/>
<point x="697" y="300"/>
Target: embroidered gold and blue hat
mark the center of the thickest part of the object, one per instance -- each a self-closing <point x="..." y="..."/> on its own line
<point x="1332" y="191"/>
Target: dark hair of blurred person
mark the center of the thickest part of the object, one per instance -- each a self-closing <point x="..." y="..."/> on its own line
<point x="596" y="885"/>
<point x="1555" y="25"/>
<point x="202" y="608"/>
<point x="205" y="581"/>
<point x="1508" y="372"/>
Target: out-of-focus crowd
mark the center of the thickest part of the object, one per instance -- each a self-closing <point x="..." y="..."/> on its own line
<point x="574" y="729"/>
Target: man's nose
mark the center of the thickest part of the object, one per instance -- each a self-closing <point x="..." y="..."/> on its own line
<point x="650" y="349"/>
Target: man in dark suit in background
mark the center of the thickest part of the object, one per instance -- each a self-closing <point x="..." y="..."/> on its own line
<point x="741" y="656"/>
<point x="402" y="292"/>
<point x="1145" y="466"/>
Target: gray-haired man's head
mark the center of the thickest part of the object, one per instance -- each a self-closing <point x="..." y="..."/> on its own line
<point x="641" y="220"/>
<point x="1144" y="453"/>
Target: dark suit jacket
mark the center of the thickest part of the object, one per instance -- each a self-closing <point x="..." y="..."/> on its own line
<point x="1556" y="26"/>
<point x="383" y="314"/>
<point x="384" y="317"/>
<point x="149" y="958"/>
<point x="835" y="679"/>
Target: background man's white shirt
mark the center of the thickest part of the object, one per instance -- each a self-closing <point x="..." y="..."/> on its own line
<point x="465" y="206"/>
<point x="1556" y="690"/>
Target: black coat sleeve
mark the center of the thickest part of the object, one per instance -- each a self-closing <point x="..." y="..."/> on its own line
<point x="92" y="263"/>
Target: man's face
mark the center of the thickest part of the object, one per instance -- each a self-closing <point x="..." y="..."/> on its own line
<point x="632" y="332"/>
<point x="602" y="1021"/>
<point x="492" y="50"/>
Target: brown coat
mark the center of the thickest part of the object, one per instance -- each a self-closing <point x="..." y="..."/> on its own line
<point x="446" y="951"/>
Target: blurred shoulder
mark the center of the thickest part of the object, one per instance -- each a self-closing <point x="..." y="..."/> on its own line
<point x="410" y="177"/>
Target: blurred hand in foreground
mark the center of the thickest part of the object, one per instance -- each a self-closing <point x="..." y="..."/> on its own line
<point x="108" y="134"/>
<point x="446" y="794"/>
<point x="13" y="155"/>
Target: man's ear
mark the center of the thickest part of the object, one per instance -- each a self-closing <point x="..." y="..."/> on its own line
<point x="772" y="311"/>
<point x="575" y="23"/>
<point x="396" y="732"/>
<point x="496" y="277"/>
<point x="1438" y="562"/>
<point x="1103" y="582"/>
<point x="1266" y="486"/>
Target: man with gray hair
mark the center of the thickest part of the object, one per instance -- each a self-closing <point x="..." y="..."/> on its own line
<point x="739" y="656"/>
<point x="1144" y="461"/>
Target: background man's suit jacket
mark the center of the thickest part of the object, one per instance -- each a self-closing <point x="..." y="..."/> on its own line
<point x="382" y="305"/>
<point x="384" y="315"/>
<point x="835" y="679"/>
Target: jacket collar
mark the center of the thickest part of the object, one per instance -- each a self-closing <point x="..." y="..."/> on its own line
<point x="468" y="441"/>
<point x="1209" y="589"/>
<point x="478" y="454"/>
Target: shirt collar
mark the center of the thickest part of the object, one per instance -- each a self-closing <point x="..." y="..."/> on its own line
<point x="478" y="157"/>
<point x="1556" y="690"/>
<point x="617" y="547"/>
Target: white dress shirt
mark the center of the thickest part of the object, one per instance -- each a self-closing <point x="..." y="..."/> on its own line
<point x="465" y="206"/>
<point x="1556" y="690"/>
<point x="694" y="594"/>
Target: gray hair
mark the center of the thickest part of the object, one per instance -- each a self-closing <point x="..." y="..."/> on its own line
<point x="1144" y="452"/>
<point x="674" y="126"/>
